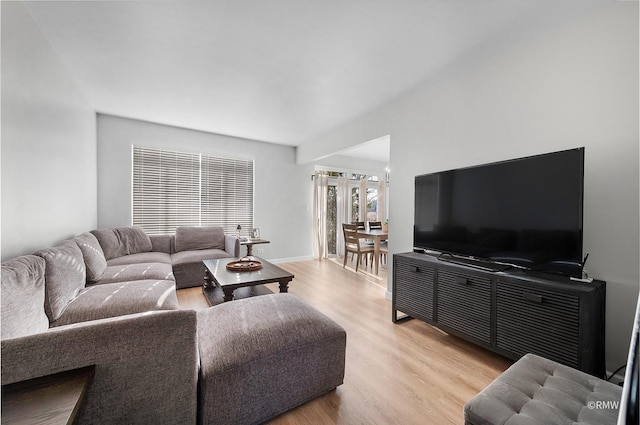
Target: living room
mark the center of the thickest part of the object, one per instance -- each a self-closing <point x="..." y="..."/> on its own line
<point x="568" y="83"/>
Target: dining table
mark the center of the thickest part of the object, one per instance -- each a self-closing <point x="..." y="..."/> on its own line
<point x="377" y="235"/>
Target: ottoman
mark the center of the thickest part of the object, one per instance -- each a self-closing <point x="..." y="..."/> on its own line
<point x="262" y="356"/>
<point x="539" y="391"/>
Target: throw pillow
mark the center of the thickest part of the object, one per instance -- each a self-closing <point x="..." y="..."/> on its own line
<point x="190" y="238"/>
<point x="64" y="276"/>
<point x="94" y="260"/>
<point x="23" y="297"/>
<point x="120" y="241"/>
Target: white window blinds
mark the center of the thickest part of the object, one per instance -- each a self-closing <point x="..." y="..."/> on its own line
<point x="172" y="189"/>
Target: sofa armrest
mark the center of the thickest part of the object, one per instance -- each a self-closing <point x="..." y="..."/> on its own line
<point x="232" y="245"/>
<point x="146" y="365"/>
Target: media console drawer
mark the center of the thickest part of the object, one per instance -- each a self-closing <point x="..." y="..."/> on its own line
<point x="510" y="313"/>
<point x="464" y="303"/>
<point x="534" y="320"/>
<point x="415" y="296"/>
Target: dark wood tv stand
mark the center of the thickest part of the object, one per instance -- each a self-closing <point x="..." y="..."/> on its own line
<point x="510" y="313"/>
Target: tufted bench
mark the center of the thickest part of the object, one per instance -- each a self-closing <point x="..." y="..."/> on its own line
<point x="539" y="391"/>
<point x="262" y="356"/>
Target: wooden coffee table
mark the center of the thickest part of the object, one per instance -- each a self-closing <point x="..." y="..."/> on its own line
<point x="218" y="277"/>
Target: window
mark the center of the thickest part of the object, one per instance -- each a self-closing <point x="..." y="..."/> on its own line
<point x="332" y="219"/>
<point x="372" y="205"/>
<point x="172" y="189"/>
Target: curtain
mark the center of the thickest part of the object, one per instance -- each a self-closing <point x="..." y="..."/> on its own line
<point x="362" y="214"/>
<point x="382" y="201"/>
<point x="320" y="188"/>
<point x="343" y="201"/>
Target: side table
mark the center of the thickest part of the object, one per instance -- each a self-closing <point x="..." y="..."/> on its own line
<point x="249" y="243"/>
<point x="48" y="400"/>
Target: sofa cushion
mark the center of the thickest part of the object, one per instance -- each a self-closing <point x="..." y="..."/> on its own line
<point x="119" y="241"/>
<point x="188" y="268"/>
<point x="143" y="257"/>
<point x="186" y="257"/>
<point x="190" y="238"/>
<point x="23" y="296"/>
<point x="94" y="260"/>
<point x="162" y="243"/>
<point x="117" y="299"/>
<point x="65" y="276"/>
<point x="141" y="271"/>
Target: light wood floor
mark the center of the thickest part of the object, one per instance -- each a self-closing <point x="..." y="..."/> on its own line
<point x="406" y="373"/>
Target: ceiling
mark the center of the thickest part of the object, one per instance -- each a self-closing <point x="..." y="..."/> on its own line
<point x="279" y="71"/>
<point x="375" y="150"/>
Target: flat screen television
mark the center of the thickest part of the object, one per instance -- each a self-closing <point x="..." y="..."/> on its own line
<point x="524" y="213"/>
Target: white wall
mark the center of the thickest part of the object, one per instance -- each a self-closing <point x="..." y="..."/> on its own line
<point x="49" y="187"/>
<point x="282" y="191"/>
<point x="574" y="86"/>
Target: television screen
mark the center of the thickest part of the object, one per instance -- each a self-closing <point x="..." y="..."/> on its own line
<point x="525" y="212"/>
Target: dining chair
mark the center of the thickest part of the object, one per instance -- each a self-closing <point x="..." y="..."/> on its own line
<point x="384" y="251"/>
<point x="354" y="245"/>
<point x="375" y="225"/>
<point x="360" y="224"/>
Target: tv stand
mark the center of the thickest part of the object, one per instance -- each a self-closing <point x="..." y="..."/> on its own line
<point x="509" y="312"/>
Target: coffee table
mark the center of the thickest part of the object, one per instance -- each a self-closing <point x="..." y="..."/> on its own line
<point x="217" y="276"/>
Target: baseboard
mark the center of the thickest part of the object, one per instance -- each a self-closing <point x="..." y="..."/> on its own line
<point x="290" y="259"/>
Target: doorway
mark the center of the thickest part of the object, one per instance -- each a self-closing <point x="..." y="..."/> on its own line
<point x="360" y="206"/>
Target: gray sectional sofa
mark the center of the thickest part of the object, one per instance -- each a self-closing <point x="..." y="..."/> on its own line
<point x="108" y="298"/>
<point x="130" y="253"/>
<point x="116" y="271"/>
